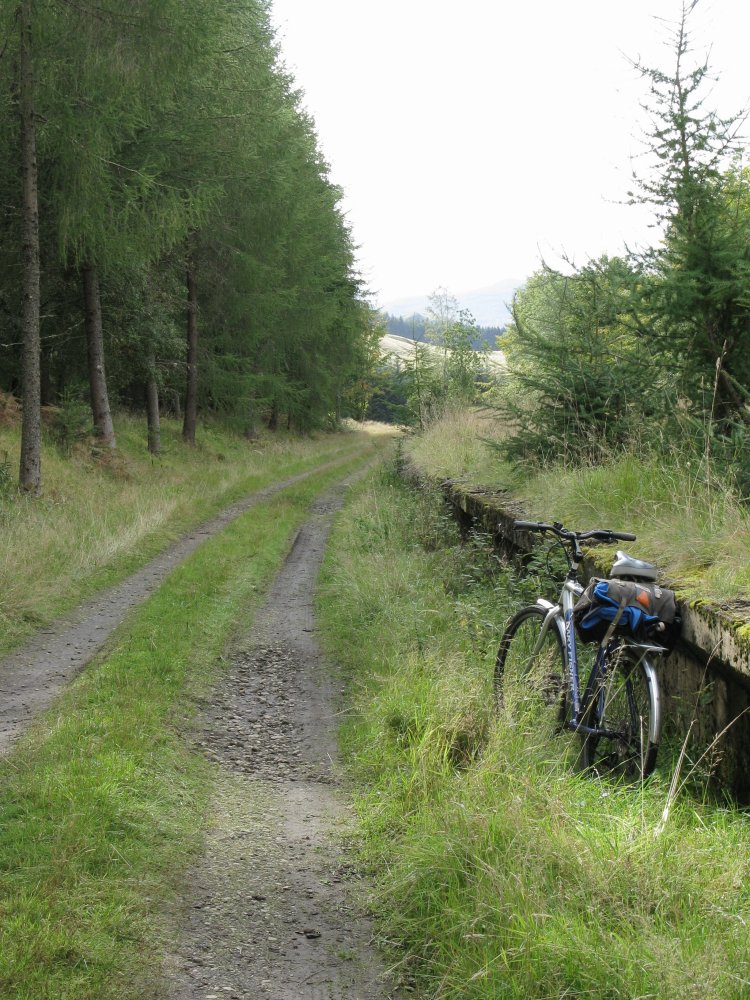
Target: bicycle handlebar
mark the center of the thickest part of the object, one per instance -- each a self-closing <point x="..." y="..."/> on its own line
<point x="601" y="534"/>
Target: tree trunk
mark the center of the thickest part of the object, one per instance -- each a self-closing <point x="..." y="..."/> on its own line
<point x="251" y="431"/>
<point x="45" y="380"/>
<point x="30" y="477"/>
<point x="177" y="403"/>
<point x="273" y="419"/>
<point x="152" y="412"/>
<point x="191" y="392"/>
<point x="103" y="427"/>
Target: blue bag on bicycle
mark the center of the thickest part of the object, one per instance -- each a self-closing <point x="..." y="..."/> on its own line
<point x="643" y="611"/>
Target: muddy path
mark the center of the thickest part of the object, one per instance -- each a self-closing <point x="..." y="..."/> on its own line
<point x="272" y="911"/>
<point x="33" y="676"/>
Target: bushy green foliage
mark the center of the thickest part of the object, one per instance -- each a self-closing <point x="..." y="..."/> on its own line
<point x="462" y="362"/>
<point x="72" y="420"/>
<point x="636" y="351"/>
<point x="7" y="480"/>
<point x="582" y="374"/>
<point x="697" y="306"/>
<point x="441" y="371"/>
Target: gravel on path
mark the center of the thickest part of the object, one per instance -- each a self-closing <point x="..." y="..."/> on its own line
<point x="272" y="910"/>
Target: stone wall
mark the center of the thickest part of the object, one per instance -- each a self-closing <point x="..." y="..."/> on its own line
<point x="705" y="680"/>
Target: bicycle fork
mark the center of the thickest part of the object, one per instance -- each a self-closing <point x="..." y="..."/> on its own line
<point x="554" y="619"/>
<point x="601" y="691"/>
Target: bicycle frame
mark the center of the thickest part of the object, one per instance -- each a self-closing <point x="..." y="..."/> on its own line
<point x="560" y="616"/>
<point x="611" y="706"/>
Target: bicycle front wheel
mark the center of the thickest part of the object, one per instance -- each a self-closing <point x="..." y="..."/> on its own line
<point x="530" y="674"/>
<point x="627" y="707"/>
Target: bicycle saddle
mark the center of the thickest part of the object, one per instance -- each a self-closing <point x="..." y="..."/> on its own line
<point x="625" y="565"/>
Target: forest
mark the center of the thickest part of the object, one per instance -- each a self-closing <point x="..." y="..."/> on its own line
<point x="171" y="238"/>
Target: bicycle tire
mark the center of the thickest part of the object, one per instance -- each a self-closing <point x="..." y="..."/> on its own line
<point x="532" y="691"/>
<point x="630" y="707"/>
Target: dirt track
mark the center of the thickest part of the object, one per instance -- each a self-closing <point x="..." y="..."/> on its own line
<point x="271" y="911"/>
<point x="33" y="676"/>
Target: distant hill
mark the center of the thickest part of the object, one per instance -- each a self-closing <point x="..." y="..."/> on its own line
<point x="488" y="306"/>
<point x="401" y="348"/>
<point x="389" y="403"/>
<point x="414" y="328"/>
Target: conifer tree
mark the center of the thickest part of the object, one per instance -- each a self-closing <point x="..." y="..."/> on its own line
<point x="171" y="134"/>
<point x="697" y="307"/>
<point x="30" y="473"/>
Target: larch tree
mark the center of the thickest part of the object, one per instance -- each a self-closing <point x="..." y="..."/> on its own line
<point x="30" y="472"/>
<point x="115" y="204"/>
<point x="178" y="176"/>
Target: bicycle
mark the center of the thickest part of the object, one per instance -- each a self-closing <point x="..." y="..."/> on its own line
<point x="539" y="669"/>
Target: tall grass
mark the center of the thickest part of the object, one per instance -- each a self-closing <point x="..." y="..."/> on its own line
<point x="453" y="446"/>
<point x="103" y="515"/>
<point x="699" y="535"/>
<point x="501" y="872"/>
<point x="694" y="525"/>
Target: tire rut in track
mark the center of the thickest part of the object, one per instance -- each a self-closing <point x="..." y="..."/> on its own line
<point x="271" y="911"/>
<point x="33" y="676"/>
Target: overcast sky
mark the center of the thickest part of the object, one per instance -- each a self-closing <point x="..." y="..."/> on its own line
<point x="473" y="137"/>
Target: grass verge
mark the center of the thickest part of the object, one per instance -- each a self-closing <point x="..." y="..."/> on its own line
<point x="101" y="804"/>
<point x="501" y="872"/>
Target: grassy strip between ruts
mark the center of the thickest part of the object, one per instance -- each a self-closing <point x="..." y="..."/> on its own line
<point x="101" y="804"/>
<point x="501" y="873"/>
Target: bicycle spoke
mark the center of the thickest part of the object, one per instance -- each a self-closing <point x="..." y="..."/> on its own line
<point x="530" y="675"/>
<point x="624" y="709"/>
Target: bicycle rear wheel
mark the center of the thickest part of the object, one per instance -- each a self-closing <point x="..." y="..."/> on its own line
<point x="531" y="688"/>
<point x="628" y="706"/>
